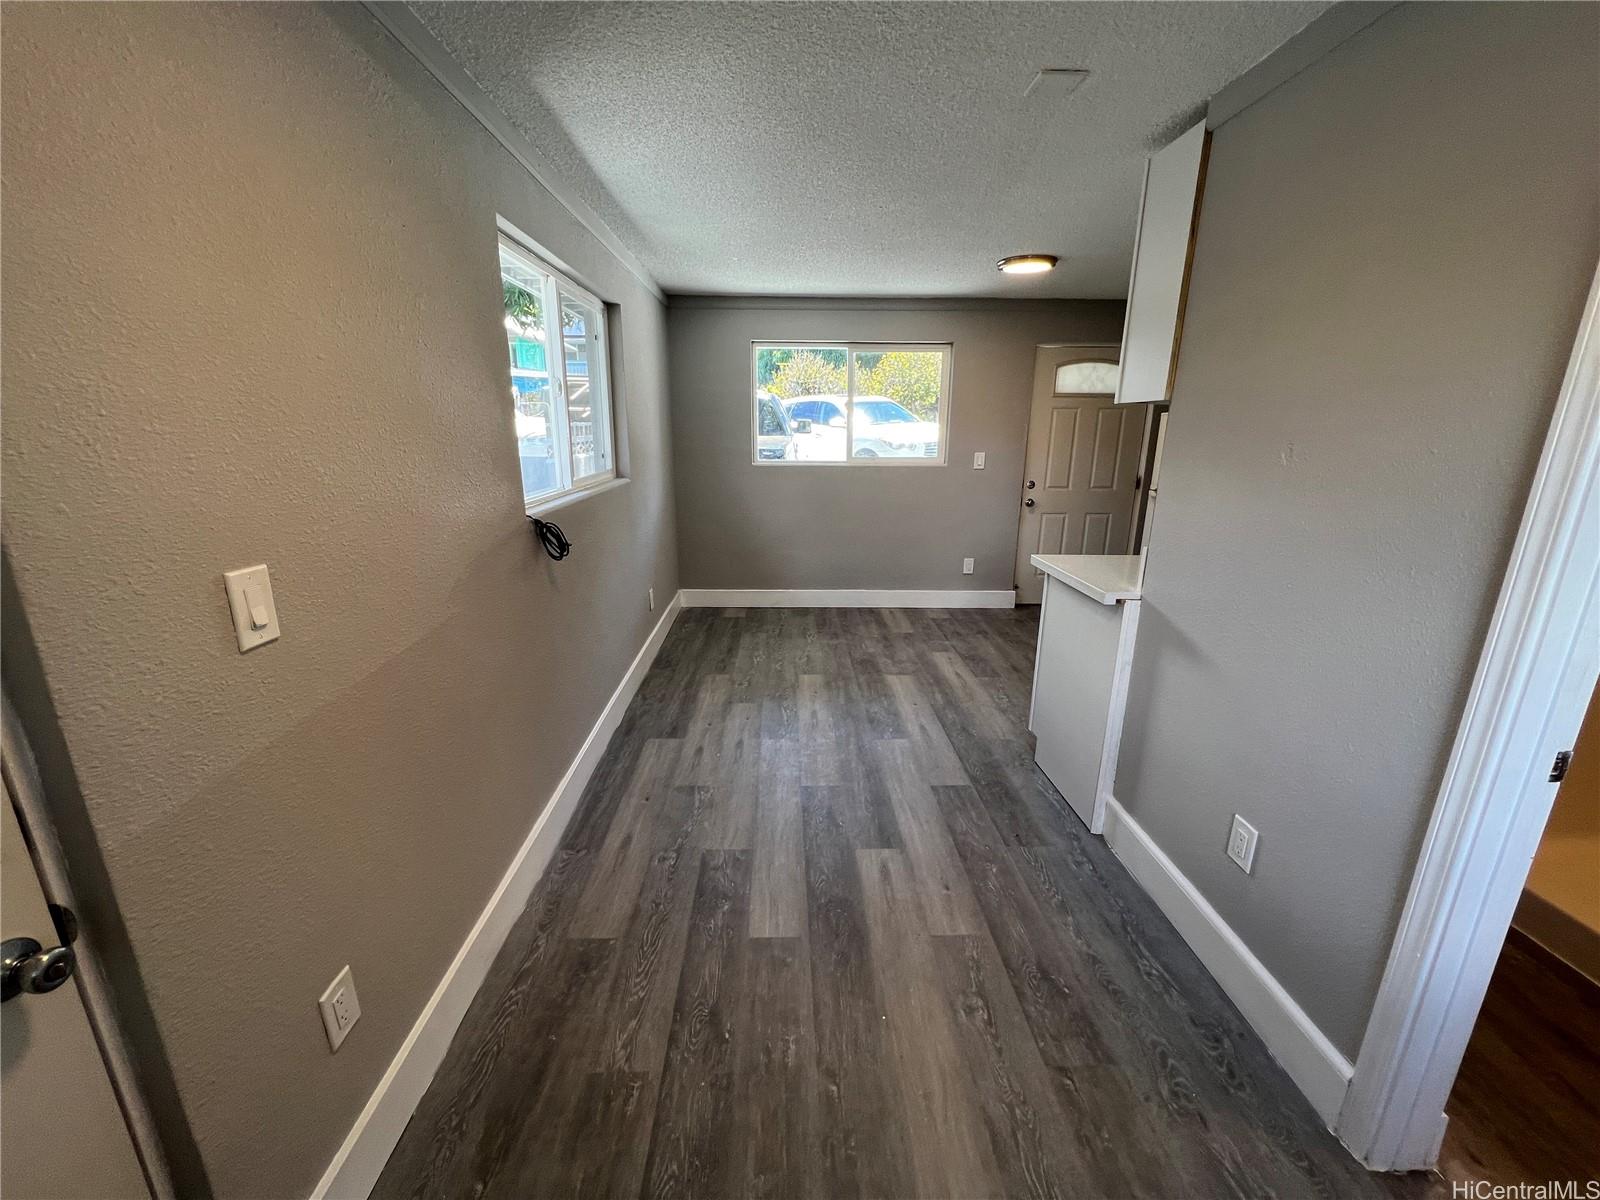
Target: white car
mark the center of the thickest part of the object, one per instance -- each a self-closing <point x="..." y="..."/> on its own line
<point x="883" y="428"/>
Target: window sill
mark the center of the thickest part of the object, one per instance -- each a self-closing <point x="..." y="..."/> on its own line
<point x="543" y="508"/>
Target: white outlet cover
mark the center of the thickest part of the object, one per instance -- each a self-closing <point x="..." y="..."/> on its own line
<point x="966" y="566"/>
<point x="1242" y="843"/>
<point x="340" y="1007"/>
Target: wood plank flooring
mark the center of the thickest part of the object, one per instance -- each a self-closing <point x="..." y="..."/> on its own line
<point x="1526" y="1106"/>
<point x="819" y="928"/>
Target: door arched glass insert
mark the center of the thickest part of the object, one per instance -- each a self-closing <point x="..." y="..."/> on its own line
<point x="1092" y="378"/>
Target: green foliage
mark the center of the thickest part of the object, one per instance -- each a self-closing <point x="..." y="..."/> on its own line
<point x="807" y="373"/>
<point x="522" y="306"/>
<point x="771" y="359"/>
<point x="908" y="376"/>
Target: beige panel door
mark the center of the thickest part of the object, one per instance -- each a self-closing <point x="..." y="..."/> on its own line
<point x="1081" y="479"/>
<point x="61" y="1128"/>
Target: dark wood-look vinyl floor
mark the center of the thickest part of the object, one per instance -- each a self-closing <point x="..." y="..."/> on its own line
<point x="820" y="928"/>
<point x="1526" y="1106"/>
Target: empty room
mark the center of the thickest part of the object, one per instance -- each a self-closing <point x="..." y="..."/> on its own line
<point x="799" y="599"/>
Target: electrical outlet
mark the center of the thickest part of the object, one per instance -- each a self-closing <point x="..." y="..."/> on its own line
<point x="340" y="1008"/>
<point x="977" y="460"/>
<point x="1242" y="843"/>
<point x="966" y="566"/>
<point x="651" y="594"/>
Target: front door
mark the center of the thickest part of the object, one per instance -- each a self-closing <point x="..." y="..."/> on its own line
<point x="61" y="1127"/>
<point x="1081" y="479"/>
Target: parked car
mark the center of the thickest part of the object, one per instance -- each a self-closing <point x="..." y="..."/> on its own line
<point x="774" y="434"/>
<point x="883" y="428"/>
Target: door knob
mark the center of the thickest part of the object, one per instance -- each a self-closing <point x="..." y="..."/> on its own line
<point x="1030" y="485"/>
<point x="1028" y="503"/>
<point x="26" y="966"/>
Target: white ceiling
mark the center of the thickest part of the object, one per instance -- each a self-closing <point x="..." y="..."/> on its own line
<point x="859" y="148"/>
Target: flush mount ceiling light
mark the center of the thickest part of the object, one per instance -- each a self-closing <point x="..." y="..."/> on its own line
<point x="1027" y="264"/>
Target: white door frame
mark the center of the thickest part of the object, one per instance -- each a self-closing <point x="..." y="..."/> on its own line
<point x="1534" y="679"/>
<point x="26" y="790"/>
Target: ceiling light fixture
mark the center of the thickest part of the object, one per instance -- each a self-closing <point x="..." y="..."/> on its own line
<point x="1028" y="264"/>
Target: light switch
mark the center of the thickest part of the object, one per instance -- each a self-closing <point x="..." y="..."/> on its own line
<point x="977" y="460"/>
<point x="255" y="619"/>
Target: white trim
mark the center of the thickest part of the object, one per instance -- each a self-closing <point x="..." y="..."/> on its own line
<point x="1534" y="680"/>
<point x="1116" y="712"/>
<point x="1312" y="1061"/>
<point x="410" y="32"/>
<point x="543" y="508"/>
<point x="366" y="1149"/>
<point x="26" y="793"/>
<point x="843" y="598"/>
<point x="1038" y="656"/>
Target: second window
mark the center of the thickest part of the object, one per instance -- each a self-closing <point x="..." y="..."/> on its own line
<point x="850" y="402"/>
<point x="559" y="380"/>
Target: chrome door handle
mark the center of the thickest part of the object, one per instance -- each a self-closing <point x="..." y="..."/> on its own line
<point x="26" y="966"/>
<point x="1028" y="503"/>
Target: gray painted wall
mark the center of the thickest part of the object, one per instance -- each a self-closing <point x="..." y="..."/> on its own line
<point x="1391" y="262"/>
<point x="744" y="525"/>
<point x="251" y="313"/>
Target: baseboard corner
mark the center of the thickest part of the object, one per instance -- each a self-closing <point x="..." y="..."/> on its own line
<point x="1315" y="1065"/>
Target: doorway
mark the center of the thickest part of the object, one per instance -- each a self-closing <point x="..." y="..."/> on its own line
<point x="1081" y="475"/>
<point x="1525" y="1108"/>
<point x="54" y="1077"/>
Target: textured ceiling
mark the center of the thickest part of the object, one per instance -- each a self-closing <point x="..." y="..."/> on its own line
<point x="859" y="148"/>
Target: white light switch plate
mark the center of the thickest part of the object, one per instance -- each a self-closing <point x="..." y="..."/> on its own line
<point x="1242" y="843"/>
<point x="966" y="566"/>
<point x="977" y="460"/>
<point x="255" y="617"/>
<point x="340" y="1008"/>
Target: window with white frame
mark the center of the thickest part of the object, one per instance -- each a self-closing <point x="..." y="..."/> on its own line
<point x="849" y="402"/>
<point x="560" y="384"/>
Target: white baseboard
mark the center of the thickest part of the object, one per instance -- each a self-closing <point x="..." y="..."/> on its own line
<point x="843" y="598"/>
<point x="360" y="1160"/>
<point x="1312" y="1061"/>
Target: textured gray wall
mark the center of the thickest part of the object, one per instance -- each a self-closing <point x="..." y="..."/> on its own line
<point x="251" y="313"/>
<point x="747" y="526"/>
<point x="1391" y="261"/>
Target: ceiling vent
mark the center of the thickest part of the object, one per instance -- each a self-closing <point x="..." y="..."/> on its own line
<point x="1055" y="83"/>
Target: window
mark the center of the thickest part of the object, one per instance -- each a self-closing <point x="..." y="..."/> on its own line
<point x="1087" y="379"/>
<point x="560" y="386"/>
<point x="849" y="402"/>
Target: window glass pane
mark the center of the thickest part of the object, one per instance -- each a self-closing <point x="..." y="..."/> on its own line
<point x="793" y="382"/>
<point x="588" y="409"/>
<point x="1087" y="378"/>
<point x="560" y="385"/>
<point x="898" y="394"/>
<point x="536" y="419"/>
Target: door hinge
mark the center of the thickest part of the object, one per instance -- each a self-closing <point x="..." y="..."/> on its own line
<point x="1558" y="769"/>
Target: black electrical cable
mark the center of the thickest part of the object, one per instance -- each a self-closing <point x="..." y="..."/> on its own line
<point x="555" y="542"/>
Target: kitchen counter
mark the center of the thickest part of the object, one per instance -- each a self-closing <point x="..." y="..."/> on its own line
<point x="1080" y="673"/>
<point x="1104" y="578"/>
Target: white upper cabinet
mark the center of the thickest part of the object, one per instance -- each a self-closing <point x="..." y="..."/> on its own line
<point x="1162" y="249"/>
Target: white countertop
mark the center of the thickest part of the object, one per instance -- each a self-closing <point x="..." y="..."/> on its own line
<point x="1106" y="578"/>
